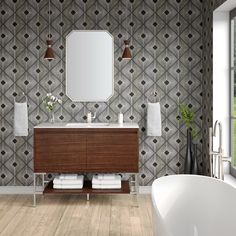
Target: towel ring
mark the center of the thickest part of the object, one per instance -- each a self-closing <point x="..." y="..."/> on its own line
<point x="155" y="95"/>
<point x="23" y="96"/>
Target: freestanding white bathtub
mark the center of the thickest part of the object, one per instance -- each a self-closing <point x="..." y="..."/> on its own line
<point x="191" y="205"/>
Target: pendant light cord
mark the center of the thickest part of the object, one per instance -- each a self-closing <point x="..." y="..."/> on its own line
<point x="14" y="50"/>
<point x="85" y="24"/>
<point x="190" y="55"/>
<point x="49" y="37"/>
<point x="49" y="19"/>
<point x="119" y="60"/>
<point x="126" y="16"/>
<point x="38" y="56"/>
<point x="26" y="47"/>
<point x="108" y="20"/>
<point x="84" y="15"/>
<point x="61" y="34"/>
<point x="131" y="63"/>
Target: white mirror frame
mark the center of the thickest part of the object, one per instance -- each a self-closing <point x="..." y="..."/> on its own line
<point x="66" y="89"/>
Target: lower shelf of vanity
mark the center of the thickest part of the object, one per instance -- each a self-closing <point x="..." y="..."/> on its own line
<point x="125" y="189"/>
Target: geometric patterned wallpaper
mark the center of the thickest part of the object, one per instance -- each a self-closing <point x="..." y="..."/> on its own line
<point x="208" y="8"/>
<point x="167" y="47"/>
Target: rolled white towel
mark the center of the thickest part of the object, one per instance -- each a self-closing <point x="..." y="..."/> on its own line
<point x="154" y="126"/>
<point x="20" y="119"/>
<point x="79" y="180"/>
<point x="106" y="176"/>
<point x="111" y="186"/>
<point x="116" y="180"/>
<point x="59" y="186"/>
<point x="68" y="176"/>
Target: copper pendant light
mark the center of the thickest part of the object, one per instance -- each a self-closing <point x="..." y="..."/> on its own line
<point x="49" y="55"/>
<point x="126" y="54"/>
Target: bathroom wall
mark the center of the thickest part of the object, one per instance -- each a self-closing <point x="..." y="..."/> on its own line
<point x="207" y="113"/>
<point x="166" y="39"/>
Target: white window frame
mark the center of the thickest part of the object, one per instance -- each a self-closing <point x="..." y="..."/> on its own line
<point x="232" y="71"/>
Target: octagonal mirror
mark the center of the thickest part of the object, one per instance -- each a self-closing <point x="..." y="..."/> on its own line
<point x="89" y="65"/>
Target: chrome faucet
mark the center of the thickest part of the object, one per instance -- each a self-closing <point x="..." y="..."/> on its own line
<point x="90" y="116"/>
<point x="220" y="150"/>
<point x="216" y="157"/>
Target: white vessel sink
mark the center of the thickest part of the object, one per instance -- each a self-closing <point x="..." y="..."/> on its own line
<point x="87" y="125"/>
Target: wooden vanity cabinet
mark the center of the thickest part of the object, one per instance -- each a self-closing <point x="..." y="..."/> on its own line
<point x="57" y="150"/>
<point x="112" y="152"/>
<point x="95" y="150"/>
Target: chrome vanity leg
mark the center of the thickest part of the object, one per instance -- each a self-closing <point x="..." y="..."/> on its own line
<point x="43" y="180"/>
<point x="87" y="196"/>
<point x="34" y="197"/>
<point x="214" y="166"/>
<point x="35" y="186"/>
<point x="136" y="184"/>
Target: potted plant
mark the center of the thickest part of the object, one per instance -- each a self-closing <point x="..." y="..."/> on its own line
<point x="188" y="118"/>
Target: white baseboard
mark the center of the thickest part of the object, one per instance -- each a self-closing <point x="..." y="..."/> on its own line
<point x="30" y="189"/>
<point x="145" y="189"/>
<point x="19" y="189"/>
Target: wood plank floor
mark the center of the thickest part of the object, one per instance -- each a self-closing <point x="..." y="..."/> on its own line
<point x="72" y="215"/>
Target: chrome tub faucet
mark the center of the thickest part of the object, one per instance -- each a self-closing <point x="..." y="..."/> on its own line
<point x="216" y="157"/>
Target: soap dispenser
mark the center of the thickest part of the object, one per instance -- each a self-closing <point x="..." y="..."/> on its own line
<point x="120" y="118"/>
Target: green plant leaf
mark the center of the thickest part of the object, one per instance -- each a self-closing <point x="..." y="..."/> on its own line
<point x="187" y="115"/>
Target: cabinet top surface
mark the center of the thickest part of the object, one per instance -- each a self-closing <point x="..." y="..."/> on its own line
<point x="87" y="125"/>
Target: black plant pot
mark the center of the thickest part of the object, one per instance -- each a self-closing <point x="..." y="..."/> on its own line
<point x="194" y="167"/>
<point x="188" y="157"/>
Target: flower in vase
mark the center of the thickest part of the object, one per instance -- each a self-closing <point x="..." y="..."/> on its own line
<point x="50" y="102"/>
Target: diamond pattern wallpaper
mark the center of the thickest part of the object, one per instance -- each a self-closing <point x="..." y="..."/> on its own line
<point x="208" y="8"/>
<point x="167" y="47"/>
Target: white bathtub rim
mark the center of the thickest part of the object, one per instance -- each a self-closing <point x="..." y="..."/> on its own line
<point x="179" y="176"/>
<point x="159" y="180"/>
<point x="162" y="182"/>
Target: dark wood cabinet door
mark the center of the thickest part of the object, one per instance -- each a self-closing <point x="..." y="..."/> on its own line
<point x="59" y="150"/>
<point x="112" y="152"/>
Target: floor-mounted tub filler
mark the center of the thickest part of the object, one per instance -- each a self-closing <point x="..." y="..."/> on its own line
<point x="191" y="205"/>
<point x="217" y="157"/>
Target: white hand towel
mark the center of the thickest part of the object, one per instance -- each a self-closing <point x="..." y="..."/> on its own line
<point x="111" y="186"/>
<point x="67" y="182"/>
<point x="116" y="180"/>
<point x="154" y="127"/>
<point x="20" y="119"/>
<point x="106" y="176"/>
<point x="59" y="186"/>
<point x="79" y="180"/>
<point x="68" y="176"/>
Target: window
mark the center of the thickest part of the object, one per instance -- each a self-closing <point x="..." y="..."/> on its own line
<point x="233" y="86"/>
